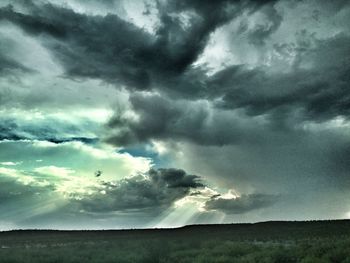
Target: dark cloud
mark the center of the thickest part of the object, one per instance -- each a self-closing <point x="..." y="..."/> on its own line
<point x="175" y="178"/>
<point x="110" y="48"/>
<point x="31" y="24"/>
<point x="242" y="204"/>
<point x="161" y="118"/>
<point x="183" y="46"/>
<point x="286" y="100"/>
<point x="49" y="129"/>
<point x="89" y="46"/>
<point x="30" y="195"/>
<point x="312" y="90"/>
<point x="153" y="191"/>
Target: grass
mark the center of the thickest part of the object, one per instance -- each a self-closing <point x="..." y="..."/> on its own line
<point x="306" y="242"/>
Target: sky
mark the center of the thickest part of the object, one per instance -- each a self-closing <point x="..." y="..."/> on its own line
<point x="141" y="114"/>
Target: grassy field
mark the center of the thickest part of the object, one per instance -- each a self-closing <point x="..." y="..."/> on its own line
<point x="316" y="241"/>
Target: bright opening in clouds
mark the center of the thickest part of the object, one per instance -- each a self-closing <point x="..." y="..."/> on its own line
<point x="124" y="114"/>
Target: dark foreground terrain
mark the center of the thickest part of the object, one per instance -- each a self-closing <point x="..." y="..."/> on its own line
<point x="316" y="241"/>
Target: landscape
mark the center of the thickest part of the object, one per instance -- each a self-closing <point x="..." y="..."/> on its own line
<point x="174" y="131"/>
<point x="279" y="242"/>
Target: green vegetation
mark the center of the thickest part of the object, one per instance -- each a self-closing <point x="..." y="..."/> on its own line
<point x="306" y="242"/>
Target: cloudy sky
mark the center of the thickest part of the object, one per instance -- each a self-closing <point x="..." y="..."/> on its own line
<point x="119" y="114"/>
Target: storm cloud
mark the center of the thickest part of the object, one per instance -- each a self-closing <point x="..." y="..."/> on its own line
<point x="113" y="49"/>
<point x="245" y="96"/>
<point x="285" y="100"/>
<point x="147" y="194"/>
<point x="159" y="117"/>
<point x="155" y="190"/>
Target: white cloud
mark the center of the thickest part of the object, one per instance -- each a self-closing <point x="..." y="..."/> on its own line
<point x="10" y="163"/>
<point x="72" y="159"/>
<point x="55" y="171"/>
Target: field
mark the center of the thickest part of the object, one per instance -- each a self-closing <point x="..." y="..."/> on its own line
<point x="313" y="241"/>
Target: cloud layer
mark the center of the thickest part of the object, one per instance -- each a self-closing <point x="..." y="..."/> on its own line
<point x="242" y="204"/>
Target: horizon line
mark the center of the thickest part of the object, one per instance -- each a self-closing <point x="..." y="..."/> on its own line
<point x="171" y="228"/>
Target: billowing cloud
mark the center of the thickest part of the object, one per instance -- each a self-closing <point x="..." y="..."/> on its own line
<point x="153" y="191"/>
<point x="86" y="45"/>
<point x="283" y="101"/>
<point x="48" y="190"/>
<point x="158" y="117"/>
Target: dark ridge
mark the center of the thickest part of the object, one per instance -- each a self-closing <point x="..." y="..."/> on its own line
<point x="246" y="231"/>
